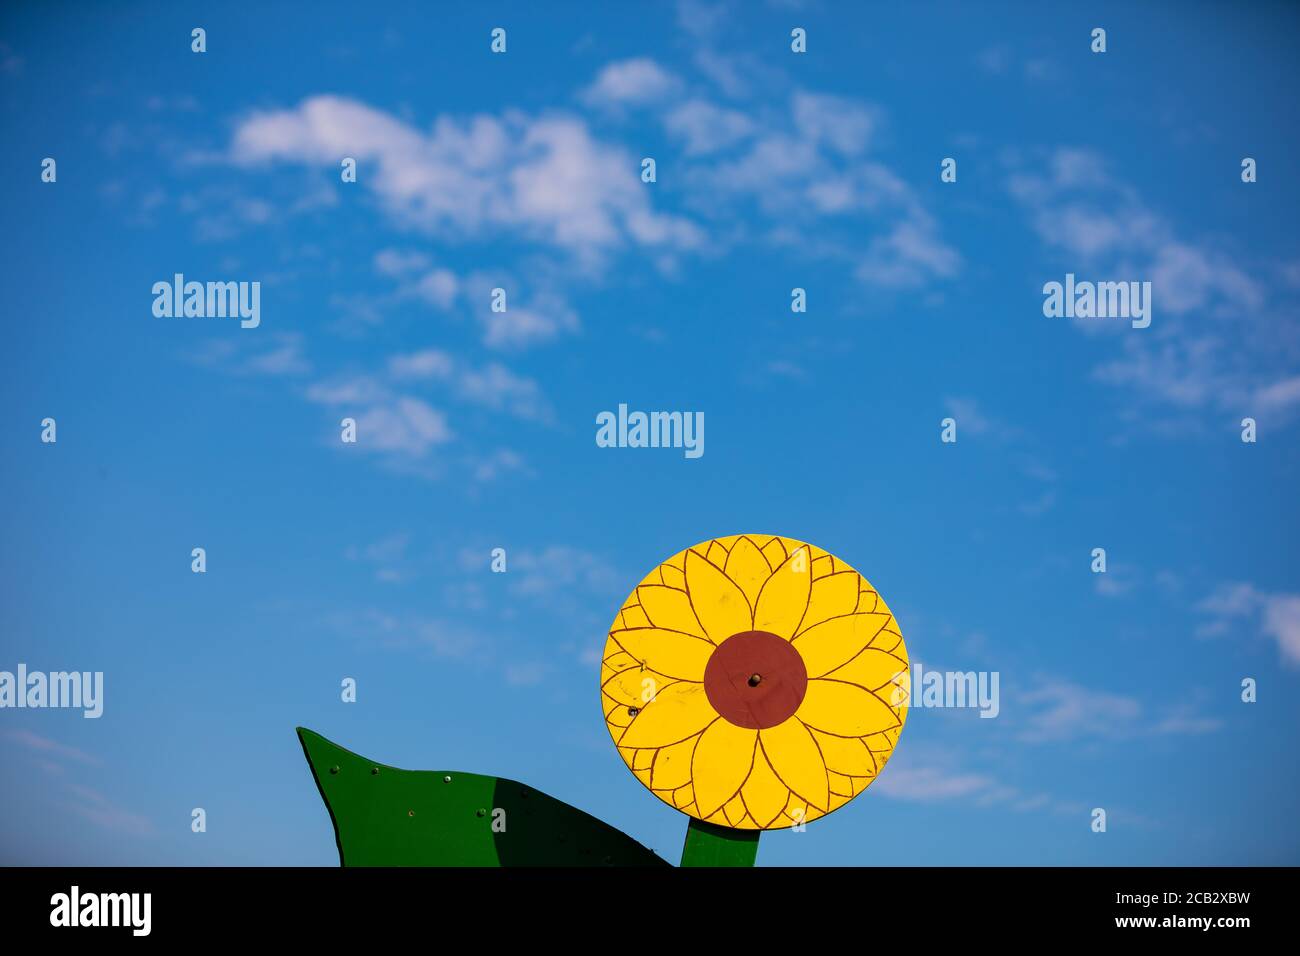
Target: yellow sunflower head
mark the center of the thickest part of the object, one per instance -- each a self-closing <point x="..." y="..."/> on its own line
<point x="755" y="682"/>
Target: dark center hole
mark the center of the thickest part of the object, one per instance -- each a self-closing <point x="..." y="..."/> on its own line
<point x="755" y="680"/>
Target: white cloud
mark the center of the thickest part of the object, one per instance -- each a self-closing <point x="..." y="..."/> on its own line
<point x="249" y="355"/>
<point x="396" y="262"/>
<point x="558" y="570"/>
<point x="705" y="128"/>
<point x="843" y="124"/>
<point x="500" y="462"/>
<point x="430" y="363"/>
<point x="1059" y="710"/>
<point x="438" y="288"/>
<point x="1276" y="614"/>
<point x="910" y="255"/>
<point x="928" y="784"/>
<point x="631" y="82"/>
<point x="973" y="420"/>
<point x="496" y="387"/>
<point x="1282" y="623"/>
<point x="492" y="386"/>
<point x="545" y="180"/>
<point x="808" y="168"/>
<point x="1278" y="396"/>
<point x="526" y="322"/>
<point x="406" y="426"/>
<point x="1213" y="341"/>
<point x="358" y="390"/>
<point x="285" y="358"/>
<point x="521" y="326"/>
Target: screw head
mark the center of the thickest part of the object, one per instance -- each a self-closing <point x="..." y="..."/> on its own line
<point x="480" y="812"/>
<point x="410" y="813"/>
<point x="374" y="771"/>
<point x="447" y="779"/>
<point x="334" y="769"/>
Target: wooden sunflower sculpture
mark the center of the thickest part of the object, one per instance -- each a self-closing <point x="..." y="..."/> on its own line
<point x="752" y="682"/>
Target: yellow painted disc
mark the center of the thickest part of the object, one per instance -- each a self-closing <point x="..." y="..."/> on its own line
<point x="755" y="682"/>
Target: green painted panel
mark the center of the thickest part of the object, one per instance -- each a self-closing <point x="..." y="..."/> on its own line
<point x="385" y="816"/>
<point x="709" y="845"/>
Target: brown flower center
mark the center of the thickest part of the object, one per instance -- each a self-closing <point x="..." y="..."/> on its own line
<point x="755" y="679"/>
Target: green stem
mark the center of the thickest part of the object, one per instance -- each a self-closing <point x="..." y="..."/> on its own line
<point x="710" y="845"/>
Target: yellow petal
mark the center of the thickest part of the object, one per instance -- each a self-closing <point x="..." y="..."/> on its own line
<point x="616" y="715"/>
<point x="672" y="767"/>
<point x="678" y="711"/>
<point x="748" y="568"/>
<point x="798" y="810"/>
<point x="719" y="604"/>
<point x="764" y="793"/>
<point x="794" y="756"/>
<point x="723" y="759"/>
<point x="673" y="576"/>
<point x="734" y="811"/>
<point x="832" y="596"/>
<point x="668" y="652"/>
<point x="617" y="659"/>
<point x="635" y="687"/>
<point x="846" y="755"/>
<point x="890" y="642"/>
<point x="834" y="642"/>
<point x="870" y="670"/>
<point x="633" y="616"/>
<point x="669" y="609"/>
<point x="774" y="551"/>
<point x="783" y="599"/>
<point x="845" y="710"/>
<point x="822" y="566"/>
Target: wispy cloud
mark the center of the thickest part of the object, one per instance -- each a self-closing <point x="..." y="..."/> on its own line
<point x="59" y="759"/>
<point x="280" y="354"/>
<point x="98" y="809"/>
<point x="404" y="425"/>
<point x="51" y="749"/>
<point x="1216" y="340"/>
<point x="1057" y="710"/>
<point x="492" y="386"/>
<point x="940" y="777"/>
<point x="387" y="556"/>
<point x="703" y="127"/>
<point x="545" y="180"/>
<point x="1277" y="615"/>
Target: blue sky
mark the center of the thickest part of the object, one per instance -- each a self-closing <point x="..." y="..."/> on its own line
<point x="775" y="170"/>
